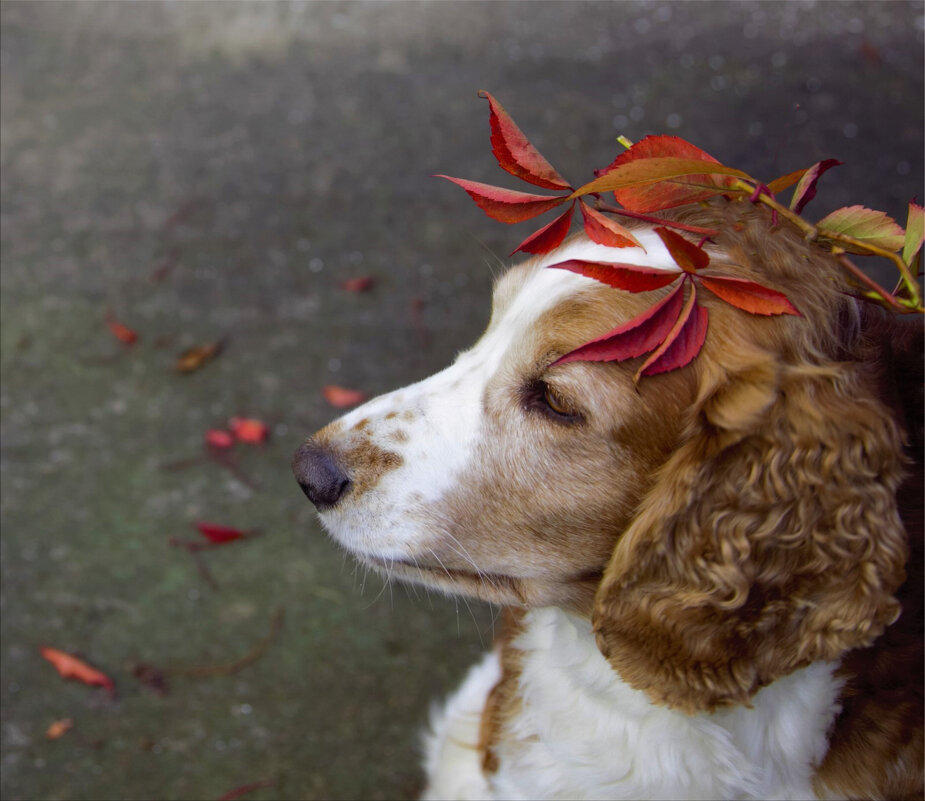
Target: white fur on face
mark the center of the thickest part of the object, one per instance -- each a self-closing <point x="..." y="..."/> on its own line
<point x="434" y="426"/>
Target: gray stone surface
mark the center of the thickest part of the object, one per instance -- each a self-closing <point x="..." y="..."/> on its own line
<point x="210" y="171"/>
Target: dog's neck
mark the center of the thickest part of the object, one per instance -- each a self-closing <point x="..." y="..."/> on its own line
<point x="578" y="715"/>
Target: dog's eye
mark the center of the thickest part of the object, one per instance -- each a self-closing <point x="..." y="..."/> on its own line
<point x="555" y="402"/>
<point x="541" y="397"/>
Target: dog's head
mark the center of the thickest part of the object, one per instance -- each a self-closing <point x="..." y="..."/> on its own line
<point x="722" y="524"/>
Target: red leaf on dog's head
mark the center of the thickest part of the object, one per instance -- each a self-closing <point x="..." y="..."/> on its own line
<point x="120" y="331"/>
<point x="683" y="341"/>
<point x="806" y="187"/>
<point x="549" y="237"/>
<point x="605" y="231"/>
<point x="506" y="205"/>
<point x="249" y="429"/>
<point x="780" y="184"/>
<point x="341" y="397"/>
<point x="216" y="438"/>
<point x="633" y="338"/>
<point x="217" y="534"/>
<point x="667" y="179"/>
<point x="748" y="296"/>
<point x="70" y="667"/>
<point x="686" y="255"/>
<point x="515" y="153"/>
<point x="629" y="277"/>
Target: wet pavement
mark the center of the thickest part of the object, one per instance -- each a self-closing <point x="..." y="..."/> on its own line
<point x="213" y="172"/>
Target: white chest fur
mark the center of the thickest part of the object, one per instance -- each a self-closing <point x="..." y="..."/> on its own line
<point x="584" y="734"/>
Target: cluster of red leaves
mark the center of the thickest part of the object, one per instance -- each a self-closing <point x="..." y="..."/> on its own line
<point x="660" y="173"/>
<point x="673" y="329"/>
<point x="189" y="361"/>
<point x="248" y="430"/>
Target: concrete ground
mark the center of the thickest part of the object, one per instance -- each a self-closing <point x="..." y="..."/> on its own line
<point x="213" y="171"/>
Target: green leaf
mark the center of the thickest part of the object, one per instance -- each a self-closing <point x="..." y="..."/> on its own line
<point x="866" y="225"/>
<point x="915" y="233"/>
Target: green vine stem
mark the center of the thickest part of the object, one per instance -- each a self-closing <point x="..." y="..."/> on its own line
<point x="814" y="233"/>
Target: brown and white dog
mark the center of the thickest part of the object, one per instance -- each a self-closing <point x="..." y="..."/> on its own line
<point x="712" y="579"/>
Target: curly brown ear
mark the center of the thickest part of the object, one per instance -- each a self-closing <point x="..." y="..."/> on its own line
<point x="771" y="539"/>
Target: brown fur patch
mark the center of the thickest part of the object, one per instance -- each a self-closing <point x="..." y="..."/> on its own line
<point x="504" y="700"/>
<point x="367" y="464"/>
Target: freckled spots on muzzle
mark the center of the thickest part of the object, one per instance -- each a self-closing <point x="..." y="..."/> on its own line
<point x="329" y="475"/>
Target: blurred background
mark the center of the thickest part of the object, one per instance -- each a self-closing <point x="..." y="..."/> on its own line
<point x="212" y="173"/>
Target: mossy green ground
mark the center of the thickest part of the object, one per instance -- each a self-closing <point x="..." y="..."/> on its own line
<point x="211" y="171"/>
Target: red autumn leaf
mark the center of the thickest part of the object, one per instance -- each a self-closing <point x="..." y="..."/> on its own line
<point x="515" y="153"/>
<point x="120" y="331"/>
<point x="506" y="205"/>
<point x="780" y="184"/>
<point x="633" y="338"/>
<point x="549" y="237"/>
<point x="606" y="231"/>
<point x="59" y="728"/>
<point x="342" y="397"/>
<point x="661" y="172"/>
<point x="363" y="284"/>
<point x="867" y="225"/>
<point x="686" y="255"/>
<point x="216" y="438"/>
<point x="70" y="667"/>
<point x="683" y="341"/>
<point x="748" y="296"/>
<point x="249" y="430"/>
<point x="218" y="535"/>
<point x="195" y="358"/>
<point x="629" y="277"/>
<point x="806" y="187"/>
<point x="244" y="789"/>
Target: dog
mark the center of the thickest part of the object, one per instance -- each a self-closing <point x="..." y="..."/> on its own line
<point x="711" y="578"/>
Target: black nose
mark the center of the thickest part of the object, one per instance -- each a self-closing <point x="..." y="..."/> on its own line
<point x="321" y="478"/>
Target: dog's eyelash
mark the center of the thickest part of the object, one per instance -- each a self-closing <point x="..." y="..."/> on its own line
<point x="545" y="399"/>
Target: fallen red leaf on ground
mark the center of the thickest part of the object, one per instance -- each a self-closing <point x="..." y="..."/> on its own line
<point x="121" y="331"/>
<point x="70" y="667"/>
<point x="195" y="358"/>
<point x="59" y="728"/>
<point x="342" y="397"/>
<point x="244" y="789"/>
<point x="249" y="429"/>
<point x="217" y="534"/>
<point x="216" y="438"/>
<point x="362" y="284"/>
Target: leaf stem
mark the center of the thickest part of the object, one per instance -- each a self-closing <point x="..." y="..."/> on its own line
<point x="693" y="229"/>
<point x="814" y="233"/>
<point x="859" y="274"/>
